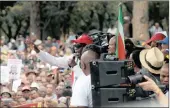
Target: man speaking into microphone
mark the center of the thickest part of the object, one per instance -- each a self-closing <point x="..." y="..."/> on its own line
<point x="73" y="61"/>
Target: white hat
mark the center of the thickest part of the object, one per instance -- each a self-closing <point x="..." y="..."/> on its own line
<point x="152" y="59"/>
<point x="37" y="42"/>
<point x="62" y="99"/>
<point x="34" y="84"/>
<point x="13" y="40"/>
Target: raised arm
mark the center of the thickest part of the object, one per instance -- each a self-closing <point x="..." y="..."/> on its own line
<point x="61" y="62"/>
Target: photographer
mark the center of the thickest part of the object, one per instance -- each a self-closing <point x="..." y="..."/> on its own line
<point x="150" y="85"/>
<point x="152" y="60"/>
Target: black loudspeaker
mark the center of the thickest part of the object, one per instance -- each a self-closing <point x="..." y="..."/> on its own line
<point x="111" y="96"/>
<point x="104" y="73"/>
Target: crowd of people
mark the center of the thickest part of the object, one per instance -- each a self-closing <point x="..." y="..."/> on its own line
<point x="54" y="74"/>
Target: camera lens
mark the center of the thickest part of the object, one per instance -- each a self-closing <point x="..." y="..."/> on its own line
<point x="135" y="79"/>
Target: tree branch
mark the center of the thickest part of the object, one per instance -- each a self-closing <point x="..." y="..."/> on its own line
<point x="4" y="31"/>
<point x="18" y="28"/>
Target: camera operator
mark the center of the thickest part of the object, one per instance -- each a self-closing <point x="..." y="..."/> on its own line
<point x="150" y="85"/>
<point x="82" y="95"/>
<point x="64" y="62"/>
<point x="152" y="60"/>
<point x="141" y="67"/>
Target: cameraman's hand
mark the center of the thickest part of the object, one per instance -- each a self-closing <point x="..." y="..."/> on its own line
<point x="149" y="85"/>
<point x="72" y="62"/>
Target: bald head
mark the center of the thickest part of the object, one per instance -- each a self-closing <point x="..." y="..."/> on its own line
<point x="86" y="58"/>
<point x="112" y="45"/>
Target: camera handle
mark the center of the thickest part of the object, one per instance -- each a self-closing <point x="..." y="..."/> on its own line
<point x="108" y="57"/>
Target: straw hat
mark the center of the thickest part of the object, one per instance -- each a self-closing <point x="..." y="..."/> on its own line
<point x="152" y="59"/>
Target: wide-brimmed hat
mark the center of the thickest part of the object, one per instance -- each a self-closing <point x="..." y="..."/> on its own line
<point x="152" y="59"/>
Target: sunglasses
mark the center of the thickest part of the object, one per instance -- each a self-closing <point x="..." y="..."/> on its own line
<point x="68" y="87"/>
<point x="77" y="46"/>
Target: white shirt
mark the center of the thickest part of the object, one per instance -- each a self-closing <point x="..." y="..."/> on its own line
<point x="82" y="95"/>
<point x="154" y="30"/>
<point x="61" y="62"/>
<point x="167" y="94"/>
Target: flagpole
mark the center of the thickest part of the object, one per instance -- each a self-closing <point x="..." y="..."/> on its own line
<point x="120" y="3"/>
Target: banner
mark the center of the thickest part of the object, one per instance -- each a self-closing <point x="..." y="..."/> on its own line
<point x="4" y="74"/>
<point x="15" y="68"/>
<point x="33" y="105"/>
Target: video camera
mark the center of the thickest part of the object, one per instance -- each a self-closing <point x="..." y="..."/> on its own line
<point x="114" y="82"/>
<point x="100" y="39"/>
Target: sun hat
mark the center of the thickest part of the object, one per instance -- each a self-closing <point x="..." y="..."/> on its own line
<point x="152" y="59"/>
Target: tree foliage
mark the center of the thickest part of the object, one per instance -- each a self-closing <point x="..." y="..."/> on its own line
<point x="15" y="20"/>
<point x="60" y="17"/>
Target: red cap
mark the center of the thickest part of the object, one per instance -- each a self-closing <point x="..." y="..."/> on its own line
<point x="156" y="37"/>
<point x="84" y="38"/>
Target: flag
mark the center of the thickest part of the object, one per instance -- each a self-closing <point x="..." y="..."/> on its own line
<point x="120" y="44"/>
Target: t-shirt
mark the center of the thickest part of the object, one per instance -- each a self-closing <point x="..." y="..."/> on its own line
<point x="82" y="95"/>
<point x="77" y="72"/>
<point x="167" y="94"/>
